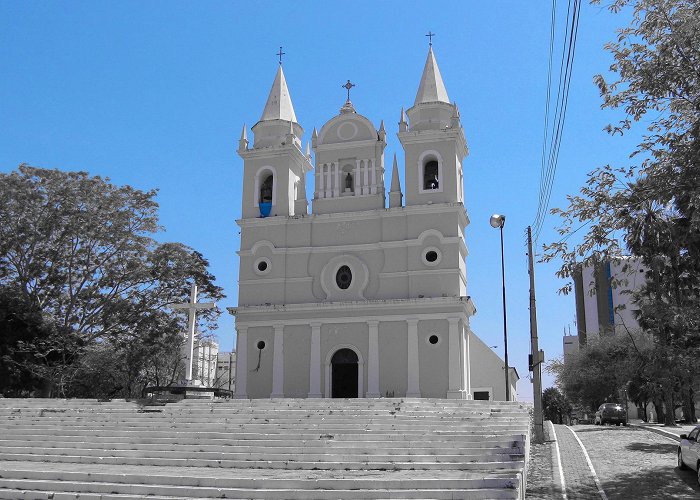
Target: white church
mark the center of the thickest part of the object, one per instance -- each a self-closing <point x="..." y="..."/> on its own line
<point x="359" y="296"/>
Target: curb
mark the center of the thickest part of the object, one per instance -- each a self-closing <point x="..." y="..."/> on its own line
<point x="659" y="431"/>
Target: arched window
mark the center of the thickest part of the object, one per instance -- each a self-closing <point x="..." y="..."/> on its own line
<point x="266" y="190"/>
<point x="430" y="175"/>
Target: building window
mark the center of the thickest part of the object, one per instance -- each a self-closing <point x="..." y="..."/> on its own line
<point x="482" y="395"/>
<point x="343" y="278"/>
<point x="431" y="178"/>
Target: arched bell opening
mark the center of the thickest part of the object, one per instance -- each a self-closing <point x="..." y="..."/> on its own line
<point x="266" y="195"/>
<point x="266" y="189"/>
<point x="431" y="179"/>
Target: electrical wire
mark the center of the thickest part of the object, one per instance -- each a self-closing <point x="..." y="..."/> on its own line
<point x="552" y="142"/>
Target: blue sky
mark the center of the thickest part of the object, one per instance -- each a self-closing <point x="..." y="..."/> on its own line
<point x="154" y="94"/>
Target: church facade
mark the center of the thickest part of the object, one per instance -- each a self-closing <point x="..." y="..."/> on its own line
<point x="361" y="296"/>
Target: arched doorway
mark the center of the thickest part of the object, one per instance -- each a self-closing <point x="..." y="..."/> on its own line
<point x="344" y="373"/>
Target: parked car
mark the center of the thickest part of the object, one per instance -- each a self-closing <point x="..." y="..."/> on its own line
<point x="689" y="451"/>
<point x="611" y="413"/>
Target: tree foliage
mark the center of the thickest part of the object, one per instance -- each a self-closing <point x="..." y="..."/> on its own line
<point x="555" y="405"/>
<point x="78" y="252"/>
<point x="649" y="208"/>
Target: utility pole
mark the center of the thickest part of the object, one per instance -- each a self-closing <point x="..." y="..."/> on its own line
<point x="537" y="356"/>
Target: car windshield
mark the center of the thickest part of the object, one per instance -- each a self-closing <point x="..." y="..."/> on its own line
<point x="613" y="406"/>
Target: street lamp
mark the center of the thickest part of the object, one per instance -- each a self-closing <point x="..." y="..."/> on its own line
<point x="498" y="221"/>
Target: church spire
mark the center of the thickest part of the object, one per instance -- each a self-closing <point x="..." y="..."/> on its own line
<point x="431" y="88"/>
<point x="279" y="103"/>
<point x="243" y="141"/>
<point x="395" y="196"/>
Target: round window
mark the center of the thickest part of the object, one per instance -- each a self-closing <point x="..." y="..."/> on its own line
<point x="262" y="266"/>
<point x="433" y="339"/>
<point x="261" y="344"/>
<point x="431" y="256"/>
<point x="343" y="278"/>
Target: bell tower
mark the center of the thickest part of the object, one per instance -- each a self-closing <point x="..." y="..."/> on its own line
<point x="433" y="141"/>
<point x="274" y="168"/>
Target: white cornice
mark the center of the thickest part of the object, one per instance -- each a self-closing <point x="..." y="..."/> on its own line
<point x="420" y="308"/>
<point x="280" y="151"/>
<point x="423" y="136"/>
<point x="276" y="281"/>
<point x="382" y="245"/>
<point x="361" y="215"/>
<point x="335" y="146"/>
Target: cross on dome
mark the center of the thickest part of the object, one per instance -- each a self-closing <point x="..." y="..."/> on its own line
<point x="348" y="86"/>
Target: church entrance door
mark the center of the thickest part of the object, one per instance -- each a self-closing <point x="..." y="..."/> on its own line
<point x="344" y="374"/>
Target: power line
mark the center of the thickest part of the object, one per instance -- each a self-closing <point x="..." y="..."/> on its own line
<point x="552" y="142"/>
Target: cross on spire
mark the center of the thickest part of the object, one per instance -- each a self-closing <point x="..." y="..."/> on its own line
<point x="348" y="86"/>
<point x="430" y="36"/>
<point x="280" y="54"/>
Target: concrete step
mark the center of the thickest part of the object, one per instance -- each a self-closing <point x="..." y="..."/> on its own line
<point x="286" y="448"/>
<point x="369" y="464"/>
<point x="277" y="419"/>
<point x="163" y="485"/>
<point x="303" y="447"/>
<point x="263" y="454"/>
<point x="465" y="434"/>
<point x="475" y="494"/>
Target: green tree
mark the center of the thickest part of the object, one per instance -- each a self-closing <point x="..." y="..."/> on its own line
<point x="602" y="370"/>
<point x="81" y="251"/>
<point x="650" y="209"/>
<point x="555" y="405"/>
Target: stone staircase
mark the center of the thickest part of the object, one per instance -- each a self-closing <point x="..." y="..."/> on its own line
<point x="275" y="449"/>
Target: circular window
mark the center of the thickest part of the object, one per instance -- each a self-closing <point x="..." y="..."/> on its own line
<point x="262" y="266"/>
<point x="343" y="277"/>
<point x="433" y="339"/>
<point x="432" y="256"/>
<point x="261" y="344"/>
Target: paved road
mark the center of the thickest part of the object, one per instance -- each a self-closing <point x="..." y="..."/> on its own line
<point x="636" y="463"/>
<point x="629" y="463"/>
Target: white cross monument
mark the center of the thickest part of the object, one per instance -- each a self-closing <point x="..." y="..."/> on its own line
<point x="192" y="307"/>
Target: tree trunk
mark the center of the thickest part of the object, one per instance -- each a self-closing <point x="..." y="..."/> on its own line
<point x="669" y="414"/>
<point x="659" y="409"/>
<point x="45" y="389"/>
<point x="691" y="418"/>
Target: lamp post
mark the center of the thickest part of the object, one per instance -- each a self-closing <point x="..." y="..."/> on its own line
<point x="498" y="221"/>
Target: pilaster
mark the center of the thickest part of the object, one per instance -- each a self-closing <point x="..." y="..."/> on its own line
<point x="315" y="362"/>
<point x="241" y="362"/>
<point x="413" y="390"/>
<point x="373" y="360"/>
<point x="278" y="363"/>
<point x="456" y="380"/>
